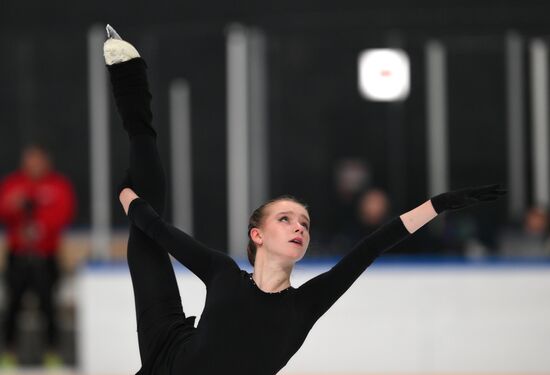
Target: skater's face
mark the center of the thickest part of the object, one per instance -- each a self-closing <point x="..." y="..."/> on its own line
<point x="285" y="230"/>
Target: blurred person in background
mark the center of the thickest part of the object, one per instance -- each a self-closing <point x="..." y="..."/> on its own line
<point x="36" y="203"/>
<point x="351" y="178"/>
<point x="461" y="236"/>
<point x="371" y="210"/>
<point x="529" y="239"/>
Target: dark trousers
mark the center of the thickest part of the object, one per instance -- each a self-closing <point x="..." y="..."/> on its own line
<point x="156" y="293"/>
<point x="39" y="275"/>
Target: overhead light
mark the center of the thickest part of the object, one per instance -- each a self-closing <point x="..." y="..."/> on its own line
<point x="384" y="74"/>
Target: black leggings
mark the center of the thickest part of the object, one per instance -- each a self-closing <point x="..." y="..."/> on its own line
<point x="156" y="294"/>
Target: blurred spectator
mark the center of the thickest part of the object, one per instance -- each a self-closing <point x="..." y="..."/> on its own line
<point x="36" y="203"/>
<point x="351" y="177"/>
<point x="461" y="237"/>
<point x="531" y="239"/>
<point x="371" y="210"/>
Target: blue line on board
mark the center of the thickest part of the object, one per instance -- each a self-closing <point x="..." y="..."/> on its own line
<point x="412" y="261"/>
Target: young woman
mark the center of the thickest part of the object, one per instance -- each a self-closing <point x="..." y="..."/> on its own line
<point x="251" y="323"/>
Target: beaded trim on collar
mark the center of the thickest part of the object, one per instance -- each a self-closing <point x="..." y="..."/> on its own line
<point x="253" y="282"/>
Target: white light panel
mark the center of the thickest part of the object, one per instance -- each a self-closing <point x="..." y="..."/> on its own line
<point x="384" y="74"/>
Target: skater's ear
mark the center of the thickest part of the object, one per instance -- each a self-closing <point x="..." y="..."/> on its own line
<point x="256" y="236"/>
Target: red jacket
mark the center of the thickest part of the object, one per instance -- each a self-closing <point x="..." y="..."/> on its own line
<point x="36" y="226"/>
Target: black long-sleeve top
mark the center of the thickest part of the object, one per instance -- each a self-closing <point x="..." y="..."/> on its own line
<point x="242" y="329"/>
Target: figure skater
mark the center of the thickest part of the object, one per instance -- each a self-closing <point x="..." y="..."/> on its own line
<point x="252" y="324"/>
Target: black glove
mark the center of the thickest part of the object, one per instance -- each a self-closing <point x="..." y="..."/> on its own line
<point x="457" y="199"/>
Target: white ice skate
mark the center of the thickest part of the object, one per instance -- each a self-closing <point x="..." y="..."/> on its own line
<point x="116" y="50"/>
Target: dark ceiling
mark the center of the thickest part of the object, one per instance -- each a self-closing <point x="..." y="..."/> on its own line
<point x="283" y="14"/>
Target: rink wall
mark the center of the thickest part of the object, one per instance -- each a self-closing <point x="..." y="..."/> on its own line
<point x="397" y="318"/>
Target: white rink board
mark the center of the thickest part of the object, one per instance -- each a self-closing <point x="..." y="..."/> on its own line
<point x="394" y="319"/>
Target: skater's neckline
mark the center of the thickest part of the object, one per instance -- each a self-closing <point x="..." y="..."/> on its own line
<point x="283" y="291"/>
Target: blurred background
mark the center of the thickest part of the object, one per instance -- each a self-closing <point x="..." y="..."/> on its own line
<point x="252" y="100"/>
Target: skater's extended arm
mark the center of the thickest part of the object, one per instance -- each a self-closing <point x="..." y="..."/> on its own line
<point x="322" y="291"/>
<point x="197" y="257"/>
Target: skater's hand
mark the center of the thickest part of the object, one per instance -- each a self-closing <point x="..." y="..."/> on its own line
<point x="457" y="199"/>
<point x="126" y="197"/>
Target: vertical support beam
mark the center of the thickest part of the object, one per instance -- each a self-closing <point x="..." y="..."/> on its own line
<point x="539" y="110"/>
<point x="259" y="146"/>
<point x="180" y="138"/>
<point x="436" y="85"/>
<point x="396" y="154"/>
<point x="100" y="200"/>
<point x="237" y="139"/>
<point x="515" y="120"/>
